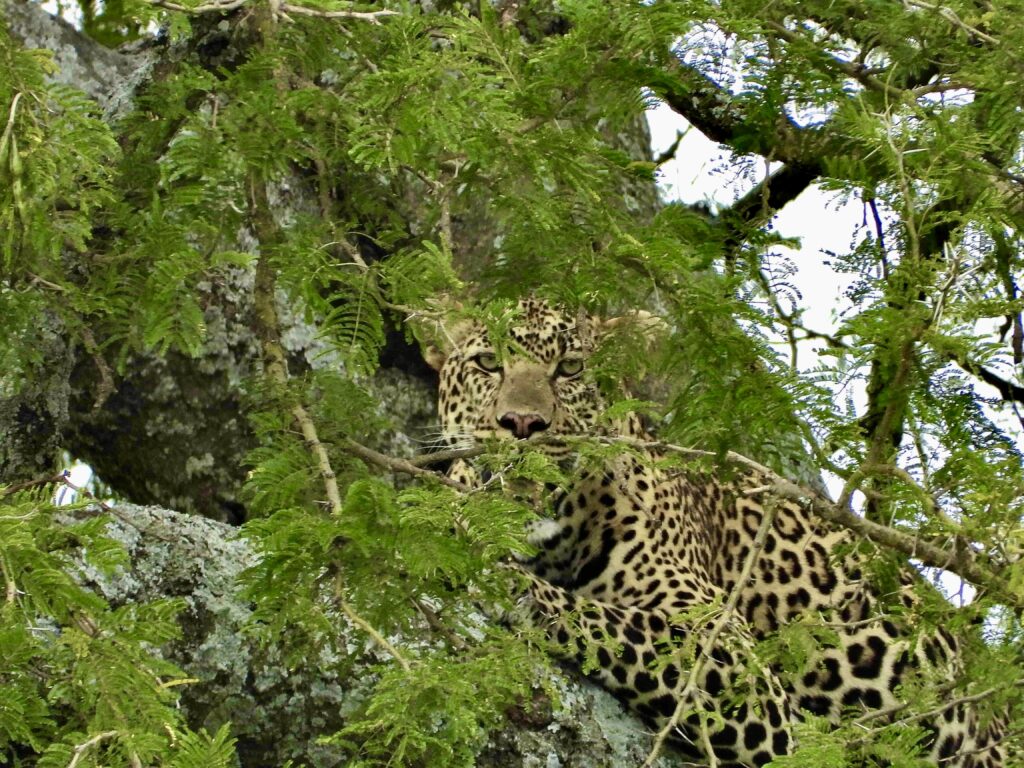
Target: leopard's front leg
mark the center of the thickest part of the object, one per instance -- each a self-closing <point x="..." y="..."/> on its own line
<point x="657" y="666"/>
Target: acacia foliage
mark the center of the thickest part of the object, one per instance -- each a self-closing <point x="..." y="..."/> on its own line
<point x="404" y="127"/>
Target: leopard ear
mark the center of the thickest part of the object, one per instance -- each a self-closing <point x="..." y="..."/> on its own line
<point x="439" y="329"/>
<point x="435" y="356"/>
<point x="639" y="321"/>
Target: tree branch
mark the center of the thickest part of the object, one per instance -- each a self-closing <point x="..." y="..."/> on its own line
<point x="1008" y="390"/>
<point x="226" y="6"/>
<point x="945" y="706"/>
<point x="715" y="112"/>
<point x="268" y="331"/>
<point x="81" y="749"/>
<point x="670" y="152"/>
<point x="756" y="208"/>
<point x="950" y="15"/>
<point x="373" y="17"/>
<point x="409" y="468"/>
<point x="856" y="71"/>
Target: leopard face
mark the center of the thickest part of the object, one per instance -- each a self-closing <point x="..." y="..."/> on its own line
<point x="534" y="386"/>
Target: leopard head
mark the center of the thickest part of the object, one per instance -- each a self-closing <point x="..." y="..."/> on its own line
<point x="532" y="385"/>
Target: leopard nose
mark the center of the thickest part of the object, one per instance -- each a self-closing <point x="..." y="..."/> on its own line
<point x="522" y="425"/>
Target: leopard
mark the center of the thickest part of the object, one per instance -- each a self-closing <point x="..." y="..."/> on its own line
<point x="664" y="582"/>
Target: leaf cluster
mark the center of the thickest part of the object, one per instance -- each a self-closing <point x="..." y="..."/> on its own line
<point x="82" y="679"/>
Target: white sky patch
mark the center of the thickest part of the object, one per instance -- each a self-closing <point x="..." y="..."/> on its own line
<point x="80" y="476"/>
<point x="816" y="218"/>
<point x="70" y="12"/>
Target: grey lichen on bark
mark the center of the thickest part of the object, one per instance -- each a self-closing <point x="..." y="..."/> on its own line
<point x="279" y="710"/>
<point x="103" y="74"/>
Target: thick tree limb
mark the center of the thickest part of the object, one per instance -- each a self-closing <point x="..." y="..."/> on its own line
<point x="102" y="73"/>
<point x="717" y="114"/>
<point x="721" y="116"/>
<point x="758" y="206"/>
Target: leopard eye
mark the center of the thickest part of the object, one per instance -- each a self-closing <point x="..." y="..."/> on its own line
<point x="570" y="366"/>
<point x="488" y="361"/>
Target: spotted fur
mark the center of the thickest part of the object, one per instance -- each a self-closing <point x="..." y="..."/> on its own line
<point x="634" y="568"/>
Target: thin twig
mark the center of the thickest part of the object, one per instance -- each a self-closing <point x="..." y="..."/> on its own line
<point x="275" y="365"/>
<point x="437" y="457"/>
<point x="709" y="749"/>
<point x="214" y="7"/>
<point x="319" y="451"/>
<point x="789" y="318"/>
<point x="376" y="636"/>
<point x="15" y="487"/>
<point x="65" y="479"/>
<point x="106" y="386"/>
<point x="11" y="589"/>
<point x="879" y="235"/>
<point x="1003" y="738"/>
<point x="373" y="17"/>
<point x="61" y="478"/>
<point x="48" y="284"/>
<point x="401" y="465"/>
<point x="5" y="138"/>
<point x="950" y="15"/>
<point x="431" y="617"/>
<point x="82" y="748"/>
<point x="941" y="709"/>
<point x="941" y="87"/>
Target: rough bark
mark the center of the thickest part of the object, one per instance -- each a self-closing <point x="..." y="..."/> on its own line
<point x="105" y="75"/>
<point x="278" y="711"/>
<point x="32" y="419"/>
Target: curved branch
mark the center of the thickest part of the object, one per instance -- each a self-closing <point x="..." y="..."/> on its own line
<point x="716" y="113"/>
<point x="759" y="204"/>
